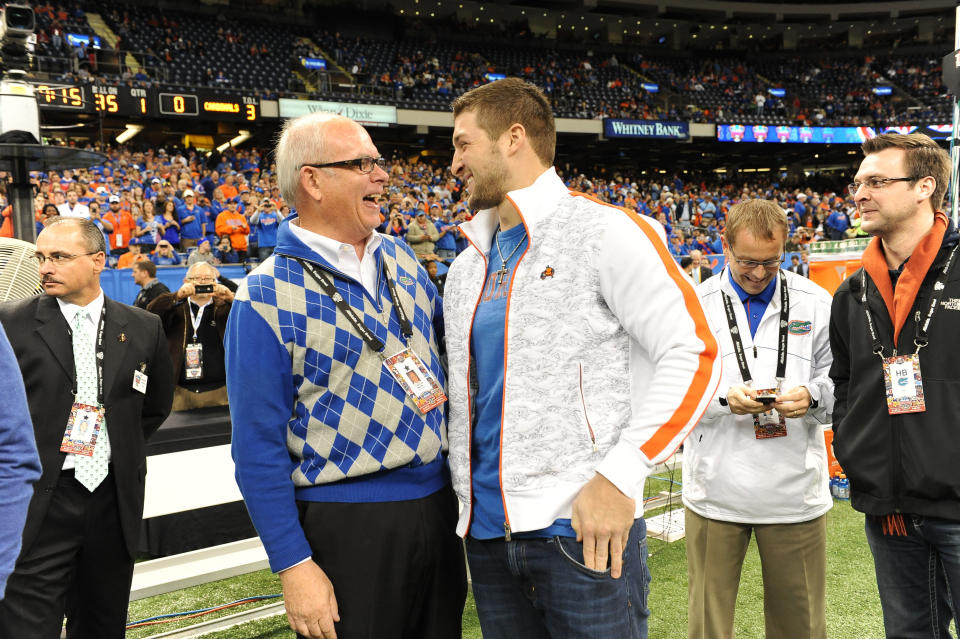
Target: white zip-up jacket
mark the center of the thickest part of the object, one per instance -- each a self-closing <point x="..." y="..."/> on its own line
<point x="609" y="360"/>
<point x="729" y="474"/>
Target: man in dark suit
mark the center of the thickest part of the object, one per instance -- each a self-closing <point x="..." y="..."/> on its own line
<point x="796" y="266"/>
<point x="84" y="518"/>
<point x="700" y="270"/>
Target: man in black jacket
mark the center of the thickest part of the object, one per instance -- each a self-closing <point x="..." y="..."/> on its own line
<point x="145" y="275"/>
<point x="892" y="331"/>
<point x="99" y="382"/>
<point x="194" y="319"/>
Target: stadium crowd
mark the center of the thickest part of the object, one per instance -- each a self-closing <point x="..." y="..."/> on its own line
<point x="425" y="68"/>
<point x="174" y="207"/>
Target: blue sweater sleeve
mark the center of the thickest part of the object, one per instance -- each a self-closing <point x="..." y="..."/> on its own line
<point x="261" y="393"/>
<point x="19" y="463"/>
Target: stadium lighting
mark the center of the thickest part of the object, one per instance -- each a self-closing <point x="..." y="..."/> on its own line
<point x="130" y="132"/>
<point x="242" y="136"/>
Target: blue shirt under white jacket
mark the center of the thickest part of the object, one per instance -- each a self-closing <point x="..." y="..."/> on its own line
<point x="316" y="416"/>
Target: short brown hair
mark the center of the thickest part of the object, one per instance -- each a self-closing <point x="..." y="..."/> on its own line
<point x="501" y="104"/>
<point x="762" y="218"/>
<point x="923" y="157"/>
<point x="146" y="266"/>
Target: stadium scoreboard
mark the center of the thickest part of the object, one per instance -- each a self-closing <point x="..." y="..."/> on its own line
<point x="126" y="101"/>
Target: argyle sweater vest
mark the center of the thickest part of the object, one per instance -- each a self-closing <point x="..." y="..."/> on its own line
<point x="350" y="416"/>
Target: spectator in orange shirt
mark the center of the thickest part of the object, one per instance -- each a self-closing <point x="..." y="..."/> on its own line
<point x="124" y="226"/>
<point x="229" y="187"/>
<point x="132" y="255"/>
<point x="6" y="229"/>
<point x="235" y="225"/>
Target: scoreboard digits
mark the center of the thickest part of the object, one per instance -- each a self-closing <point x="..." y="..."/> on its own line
<point x="125" y="101"/>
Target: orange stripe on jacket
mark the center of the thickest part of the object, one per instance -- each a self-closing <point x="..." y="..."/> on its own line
<point x="687" y="410"/>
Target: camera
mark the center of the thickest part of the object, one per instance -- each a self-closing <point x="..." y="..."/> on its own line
<point x="18" y="22"/>
<point x="202" y="289"/>
<point x="17" y="25"/>
<point x="766" y="396"/>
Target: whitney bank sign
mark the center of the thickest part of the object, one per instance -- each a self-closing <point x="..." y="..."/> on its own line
<point x="651" y="129"/>
<point x="365" y="114"/>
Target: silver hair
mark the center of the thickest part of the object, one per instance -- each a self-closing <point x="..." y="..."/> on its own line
<point x="196" y="265"/>
<point x="90" y="233"/>
<point x="302" y="141"/>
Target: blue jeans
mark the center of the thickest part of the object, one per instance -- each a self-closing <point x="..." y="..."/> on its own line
<point x="540" y="589"/>
<point x="918" y="576"/>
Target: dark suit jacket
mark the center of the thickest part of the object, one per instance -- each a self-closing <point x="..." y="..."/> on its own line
<point x="132" y="338"/>
<point x="799" y="269"/>
<point x="705" y="273"/>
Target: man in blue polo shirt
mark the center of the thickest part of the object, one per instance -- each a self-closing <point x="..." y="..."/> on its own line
<point x="192" y="221"/>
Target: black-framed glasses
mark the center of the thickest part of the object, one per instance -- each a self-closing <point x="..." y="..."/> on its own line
<point x="875" y="183"/>
<point x="59" y="258"/>
<point x="365" y="164"/>
<point x="769" y="265"/>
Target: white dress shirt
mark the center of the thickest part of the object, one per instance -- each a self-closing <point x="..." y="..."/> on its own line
<point x="343" y="256"/>
<point x="78" y="210"/>
<point x="93" y="317"/>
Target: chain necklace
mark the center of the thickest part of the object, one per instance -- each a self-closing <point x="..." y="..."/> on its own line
<point x="502" y="271"/>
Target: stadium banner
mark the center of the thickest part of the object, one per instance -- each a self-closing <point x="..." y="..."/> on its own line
<point x="366" y="114"/>
<point x="648" y="129"/>
<point x="821" y="134"/>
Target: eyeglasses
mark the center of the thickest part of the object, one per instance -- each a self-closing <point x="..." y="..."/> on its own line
<point x="875" y="183"/>
<point x="769" y="265"/>
<point x="58" y="258"/>
<point x="202" y="280"/>
<point x="365" y="164"/>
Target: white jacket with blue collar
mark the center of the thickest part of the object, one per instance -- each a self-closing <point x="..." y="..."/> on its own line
<point x="729" y="474"/>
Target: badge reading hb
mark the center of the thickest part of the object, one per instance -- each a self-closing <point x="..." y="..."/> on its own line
<point x="800" y="327"/>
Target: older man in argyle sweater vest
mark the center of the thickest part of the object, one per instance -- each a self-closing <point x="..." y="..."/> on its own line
<point x="341" y="465"/>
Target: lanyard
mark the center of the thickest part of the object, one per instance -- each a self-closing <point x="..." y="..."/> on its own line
<point x="781" y="342"/>
<point x="196" y="319"/>
<point x="326" y="284"/>
<point x="98" y="355"/>
<point x="921" y="339"/>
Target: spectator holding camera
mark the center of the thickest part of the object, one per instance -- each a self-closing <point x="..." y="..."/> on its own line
<point x="225" y="252"/>
<point x="266" y="220"/>
<point x="194" y="319"/>
<point x="165" y="255"/>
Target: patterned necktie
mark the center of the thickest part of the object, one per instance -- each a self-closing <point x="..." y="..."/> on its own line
<point x="89" y="471"/>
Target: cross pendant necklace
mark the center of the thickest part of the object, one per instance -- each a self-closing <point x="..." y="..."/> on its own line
<point x="502" y="271"/>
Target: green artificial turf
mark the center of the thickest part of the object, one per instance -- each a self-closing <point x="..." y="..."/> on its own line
<point x="853" y="607"/>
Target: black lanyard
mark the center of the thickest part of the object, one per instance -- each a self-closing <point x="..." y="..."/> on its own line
<point x="326" y="284"/>
<point x="921" y="338"/>
<point x="98" y="355"/>
<point x="781" y="342"/>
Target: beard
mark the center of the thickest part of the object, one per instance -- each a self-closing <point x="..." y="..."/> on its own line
<point x="488" y="191"/>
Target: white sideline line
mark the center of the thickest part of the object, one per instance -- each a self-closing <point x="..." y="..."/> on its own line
<point x="167" y="574"/>
<point x="222" y="623"/>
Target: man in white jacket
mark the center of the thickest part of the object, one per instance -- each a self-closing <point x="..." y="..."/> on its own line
<point x="579" y="358"/>
<point x="756" y="462"/>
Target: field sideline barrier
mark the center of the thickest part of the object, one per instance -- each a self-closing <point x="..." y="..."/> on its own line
<point x="187" y="480"/>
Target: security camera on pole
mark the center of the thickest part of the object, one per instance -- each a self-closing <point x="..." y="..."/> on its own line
<point x="21" y="150"/>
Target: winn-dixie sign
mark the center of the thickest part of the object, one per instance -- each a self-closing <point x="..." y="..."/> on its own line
<point x="654" y="129"/>
<point x="366" y="114"/>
